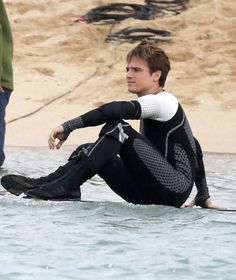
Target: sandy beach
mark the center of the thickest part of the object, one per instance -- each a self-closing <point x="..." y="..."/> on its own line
<point x="64" y="68"/>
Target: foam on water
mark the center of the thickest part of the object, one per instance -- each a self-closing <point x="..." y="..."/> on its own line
<point x="108" y="238"/>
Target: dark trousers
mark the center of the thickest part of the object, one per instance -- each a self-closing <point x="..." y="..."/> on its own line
<point x="4" y="99"/>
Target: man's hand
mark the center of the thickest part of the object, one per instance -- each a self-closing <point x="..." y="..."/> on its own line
<point x="1" y="90"/>
<point x="57" y="137"/>
<point x="207" y="204"/>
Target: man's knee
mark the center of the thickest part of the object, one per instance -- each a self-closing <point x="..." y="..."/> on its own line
<point x="118" y="130"/>
<point x="84" y="148"/>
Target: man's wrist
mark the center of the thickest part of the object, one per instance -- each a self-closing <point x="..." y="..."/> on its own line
<point x="201" y="199"/>
<point x="73" y="124"/>
<point x="67" y="128"/>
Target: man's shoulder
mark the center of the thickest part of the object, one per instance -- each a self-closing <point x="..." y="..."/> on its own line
<point x="162" y="97"/>
<point x="162" y="106"/>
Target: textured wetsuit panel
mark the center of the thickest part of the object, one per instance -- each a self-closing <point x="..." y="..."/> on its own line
<point x="72" y="124"/>
<point x="161" y="107"/>
<point x="160" y="168"/>
<point x="182" y="161"/>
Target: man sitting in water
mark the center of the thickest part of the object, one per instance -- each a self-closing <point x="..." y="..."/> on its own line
<point x="159" y="165"/>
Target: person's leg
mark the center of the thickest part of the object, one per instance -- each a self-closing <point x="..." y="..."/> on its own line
<point x="118" y="178"/>
<point x="4" y="99"/>
<point x="18" y="184"/>
<point x="102" y="151"/>
<point x="161" y="183"/>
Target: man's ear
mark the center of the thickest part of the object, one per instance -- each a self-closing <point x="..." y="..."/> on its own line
<point x="157" y="75"/>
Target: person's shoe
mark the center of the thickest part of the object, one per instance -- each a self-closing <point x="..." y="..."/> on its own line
<point x="60" y="187"/>
<point x="17" y="184"/>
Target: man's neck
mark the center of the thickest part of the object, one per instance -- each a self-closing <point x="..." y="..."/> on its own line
<point x="156" y="91"/>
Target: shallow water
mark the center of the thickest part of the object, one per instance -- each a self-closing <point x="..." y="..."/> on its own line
<point x="111" y="239"/>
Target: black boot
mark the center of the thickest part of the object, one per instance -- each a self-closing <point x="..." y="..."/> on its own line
<point x="60" y="187"/>
<point x="17" y="184"/>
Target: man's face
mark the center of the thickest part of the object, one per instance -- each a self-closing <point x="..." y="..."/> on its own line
<point x="139" y="79"/>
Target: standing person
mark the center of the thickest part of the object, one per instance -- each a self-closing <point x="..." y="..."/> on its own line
<point x="159" y="165"/>
<point x="6" y="73"/>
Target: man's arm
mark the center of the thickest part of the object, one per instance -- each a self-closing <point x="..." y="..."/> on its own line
<point x="202" y="197"/>
<point x="162" y="106"/>
<point x="200" y="178"/>
<point x="106" y="113"/>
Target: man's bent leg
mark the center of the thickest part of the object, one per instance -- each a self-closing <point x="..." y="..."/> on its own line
<point x="158" y="181"/>
<point x="103" y="150"/>
<point x="162" y="183"/>
<point x="118" y="178"/>
<point x="18" y="184"/>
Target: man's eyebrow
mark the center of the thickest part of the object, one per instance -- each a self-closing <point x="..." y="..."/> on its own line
<point x="133" y="68"/>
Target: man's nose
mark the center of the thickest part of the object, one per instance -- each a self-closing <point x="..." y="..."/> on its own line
<point x="129" y="74"/>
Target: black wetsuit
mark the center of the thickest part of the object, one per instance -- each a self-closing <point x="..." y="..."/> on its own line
<point x="160" y="164"/>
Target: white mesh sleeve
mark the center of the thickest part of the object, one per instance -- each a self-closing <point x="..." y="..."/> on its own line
<point x="160" y="107"/>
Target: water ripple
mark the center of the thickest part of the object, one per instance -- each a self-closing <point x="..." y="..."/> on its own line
<point x="107" y="238"/>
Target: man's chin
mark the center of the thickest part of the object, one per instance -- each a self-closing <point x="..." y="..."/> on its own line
<point x="132" y="91"/>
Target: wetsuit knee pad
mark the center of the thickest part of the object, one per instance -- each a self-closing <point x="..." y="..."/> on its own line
<point x="118" y="130"/>
<point x="110" y="126"/>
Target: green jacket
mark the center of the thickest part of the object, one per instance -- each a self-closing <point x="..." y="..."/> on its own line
<point x="6" y="50"/>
